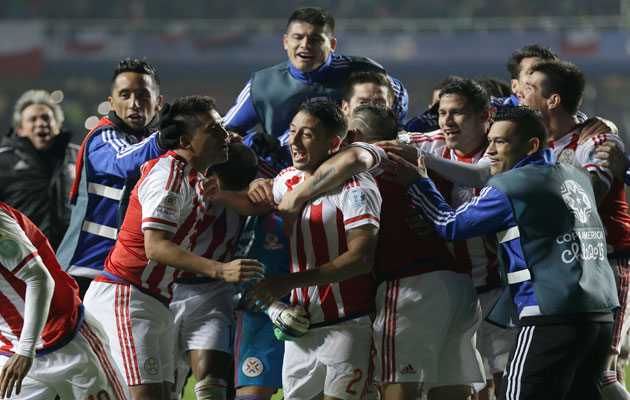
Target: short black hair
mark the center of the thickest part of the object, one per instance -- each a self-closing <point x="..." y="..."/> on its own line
<point x="330" y="115"/>
<point x="528" y="121"/>
<point x="445" y="81"/>
<point x="379" y="121"/>
<point x="359" y="77"/>
<point x="566" y="80"/>
<point x="475" y="95"/>
<point x="535" y="50"/>
<point x="138" y="66"/>
<point x="240" y="168"/>
<point x="181" y="118"/>
<point x="494" y="86"/>
<point x="314" y="16"/>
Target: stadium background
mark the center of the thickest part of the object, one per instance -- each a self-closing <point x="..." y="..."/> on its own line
<point x="211" y="46"/>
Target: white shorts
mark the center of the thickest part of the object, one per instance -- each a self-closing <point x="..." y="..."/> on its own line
<point x="203" y="316"/>
<point x="494" y="343"/>
<point x="139" y="328"/>
<point x="334" y="359"/>
<point x="81" y="369"/>
<point x="425" y="330"/>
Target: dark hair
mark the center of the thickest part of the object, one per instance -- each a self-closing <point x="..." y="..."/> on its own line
<point x="359" y="77"/>
<point x="314" y="16"/>
<point x="445" y="81"/>
<point x="330" y="115"/>
<point x="379" y="121"/>
<point x="494" y="86"/>
<point x="138" y="66"/>
<point x="535" y="50"/>
<point x="564" y="79"/>
<point x="240" y="168"/>
<point x="528" y="122"/>
<point x="475" y="95"/>
<point x="181" y="118"/>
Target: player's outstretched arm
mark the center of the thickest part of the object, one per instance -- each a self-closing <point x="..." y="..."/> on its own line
<point x="241" y="202"/>
<point x="462" y="173"/>
<point x="160" y="248"/>
<point x="329" y="175"/>
<point x="358" y="259"/>
<point x="609" y="156"/>
<point x="596" y="126"/>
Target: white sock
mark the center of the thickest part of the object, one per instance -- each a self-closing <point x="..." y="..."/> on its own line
<point x="611" y="389"/>
<point x="211" y="389"/>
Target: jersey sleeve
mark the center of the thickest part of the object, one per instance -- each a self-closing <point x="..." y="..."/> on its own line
<point x="360" y="202"/>
<point x="585" y="153"/>
<point x="431" y="142"/>
<point x="377" y="153"/>
<point x="279" y="186"/>
<point x="489" y="212"/>
<point x="110" y="154"/>
<point x="161" y="207"/>
<point x="17" y="253"/>
<point x="242" y="116"/>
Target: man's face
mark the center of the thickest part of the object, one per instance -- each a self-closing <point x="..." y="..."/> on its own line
<point x="309" y="144"/>
<point x="526" y="69"/>
<point x="209" y="142"/>
<point x="135" y="99"/>
<point x="39" y="125"/>
<point x="366" y="93"/>
<point x="506" y="149"/>
<point x="531" y="92"/>
<point x="464" y="128"/>
<point x="307" y="46"/>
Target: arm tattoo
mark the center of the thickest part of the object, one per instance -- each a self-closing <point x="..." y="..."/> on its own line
<point x="321" y="179"/>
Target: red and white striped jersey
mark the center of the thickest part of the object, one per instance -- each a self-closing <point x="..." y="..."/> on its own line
<point x="217" y="233"/>
<point x="613" y="210"/>
<point x="476" y="254"/>
<point x="319" y="236"/>
<point x="168" y="197"/>
<point x="21" y="245"/>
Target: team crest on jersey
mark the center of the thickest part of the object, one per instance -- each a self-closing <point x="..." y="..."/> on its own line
<point x="566" y="156"/>
<point x="252" y="367"/>
<point x="356" y="198"/>
<point x="575" y="197"/>
<point x="9" y="248"/>
<point x="271" y="242"/>
<point x="152" y="366"/>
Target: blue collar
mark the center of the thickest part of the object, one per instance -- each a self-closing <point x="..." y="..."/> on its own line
<point x="514" y="99"/>
<point x="316" y="76"/>
<point x="541" y="157"/>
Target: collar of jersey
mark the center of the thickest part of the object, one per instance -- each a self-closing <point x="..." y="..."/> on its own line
<point x="316" y="76"/>
<point x="541" y="157"/>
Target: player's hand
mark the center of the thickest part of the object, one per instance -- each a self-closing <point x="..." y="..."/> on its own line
<point x="266" y="291"/>
<point x="261" y="192"/>
<point x="241" y="270"/>
<point x="290" y="209"/>
<point x="235" y="137"/>
<point x="596" y="126"/>
<point x="404" y="150"/>
<point x="211" y="189"/>
<point x="290" y="322"/>
<point x="611" y="157"/>
<point x="13" y="373"/>
<point x="402" y="171"/>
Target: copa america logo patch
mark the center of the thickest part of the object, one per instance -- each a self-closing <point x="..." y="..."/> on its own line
<point x="8" y="248"/>
<point x="152" y="366"/>
<point x="356" y="198"/>
<point x="169" y="200"/>
<point x="575" y="197"/>
<point x="252" y="367"/>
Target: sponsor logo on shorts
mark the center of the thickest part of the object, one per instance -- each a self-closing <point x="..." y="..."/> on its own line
<point x="152" y="366"/>
<point x="408" y="370"/>
<point x="356" y="198"/>
<point x="252" y="367"/>
<point x="8" y="248"/>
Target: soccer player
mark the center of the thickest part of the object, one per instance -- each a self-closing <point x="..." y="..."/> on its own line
<point x="553" y="253"/>
<point x="203" y="306"/>
<point x="556" y="89"/>
<point x="312" y="73"/>
<point x="165" y="211"/>
<point x="107" y="167"/>
<point x="49" y="345"/>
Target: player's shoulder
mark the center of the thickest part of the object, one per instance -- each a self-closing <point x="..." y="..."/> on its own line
<point x="287" y="173"/>
<point x="356" y="63"/>
<point x="424" y="137"/>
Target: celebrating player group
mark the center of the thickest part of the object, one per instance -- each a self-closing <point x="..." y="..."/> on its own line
<point x="315" y="239"/>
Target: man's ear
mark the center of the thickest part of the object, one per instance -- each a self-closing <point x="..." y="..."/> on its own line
<point x="184" y="142"/>
<point x="285" y="41"/>
<point x="534" y="146"/>
<point x="158" y="105"/>
<point x="19" y="131"/>
<point x="514" y="85"/>
<point x="333" y="44"/>
<point x="554" y="101"/>
<point x="334" y="144"/>
<point x="345" y="107"/>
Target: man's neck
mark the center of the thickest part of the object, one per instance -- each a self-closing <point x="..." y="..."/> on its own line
<point x="559" y="124"/>
<point x="193" y="161"/>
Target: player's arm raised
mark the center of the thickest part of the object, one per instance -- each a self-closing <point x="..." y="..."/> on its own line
<point x="358" y="259"/>
<point x="160" y="248"/>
